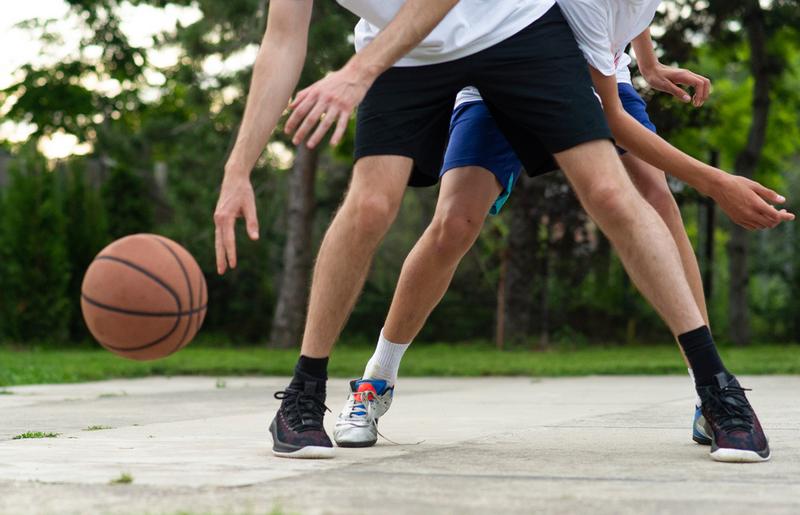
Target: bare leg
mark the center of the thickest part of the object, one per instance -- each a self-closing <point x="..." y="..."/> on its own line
<point x="652" y="184"/>
<point x="368" y="210"/>
<point x="640" y="236"/>
<point x="464" y="201"/>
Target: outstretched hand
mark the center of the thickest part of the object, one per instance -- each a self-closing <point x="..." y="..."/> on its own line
<point x="670" y="79"/>
<point x="328" y="101"/>
<point x="750" y="204"/>
<point x="236" y="200"/>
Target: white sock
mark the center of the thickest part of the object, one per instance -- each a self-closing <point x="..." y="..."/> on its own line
<point x="697" y="401"/>
<point x="385" y="363"/>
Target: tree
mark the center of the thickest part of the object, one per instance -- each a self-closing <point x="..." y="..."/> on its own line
<point x="86" y="234"/>
<point x="36" y="275"/>
<point x="747" y="39"/>
<point x="289" y="319"/>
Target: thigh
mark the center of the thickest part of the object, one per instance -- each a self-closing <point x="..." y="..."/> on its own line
<point x="407" y="113"/>
<point x="467" y="192"/>
<point x="594" y="168"/>
<point x="476" y="141"/>
<point x="380" y="177"/>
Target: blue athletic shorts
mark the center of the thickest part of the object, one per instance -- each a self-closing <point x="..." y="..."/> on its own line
<point x="475" y="140"/>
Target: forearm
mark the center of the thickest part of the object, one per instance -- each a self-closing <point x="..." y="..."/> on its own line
<point x="646" y="57"/>
<point x="413" y="22"/>
<point x="275" y="75"/>
<point x="651" y="148"/>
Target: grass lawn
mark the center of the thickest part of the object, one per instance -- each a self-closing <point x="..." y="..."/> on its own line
<point x="424" y="359"/>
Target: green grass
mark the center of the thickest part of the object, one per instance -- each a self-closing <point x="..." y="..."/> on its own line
<point x="97" y="428"/>
<point x="424" y="359"/>
<point x="123" y="479"/>
<point x="35" y="434"/>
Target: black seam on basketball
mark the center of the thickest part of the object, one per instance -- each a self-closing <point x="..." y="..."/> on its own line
<point x="188" y="285"/>
<point x="136" y="313"/>
<point x="146" y="345"/>
<point x="147" y="273"/>
<point x="164" y="285"/>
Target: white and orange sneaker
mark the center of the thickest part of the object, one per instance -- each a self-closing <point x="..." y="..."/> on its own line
<point x="357" y="425"/>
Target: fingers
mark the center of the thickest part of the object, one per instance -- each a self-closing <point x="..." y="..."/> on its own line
<point x="314" y="116"/>
<point x="769" y="218"/>
<point x="341" y="128"/>
<point x="325" y="122"/>
<point x="229" y="241"/>
<point x="300" y="109"/>
<point x="298" y="98"/>
<point x="224" y="241"/>
<point x="702" y="90"/>
<point x="251" y="219"/>
<point x="220" y="251"/>
<point x="676" y="91"/>
<point x="768" y="194"/>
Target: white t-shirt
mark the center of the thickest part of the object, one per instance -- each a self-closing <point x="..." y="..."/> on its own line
<point x="471" y="26"/>
<point x="623" y="69"/>
<point x="603" y="29"/>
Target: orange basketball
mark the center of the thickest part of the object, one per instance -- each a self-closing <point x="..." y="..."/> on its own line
<point x="144" y="297"/>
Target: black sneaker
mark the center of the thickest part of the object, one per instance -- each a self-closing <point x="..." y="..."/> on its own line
<point x="297" y="430"/>
<point x="733" y="426"/>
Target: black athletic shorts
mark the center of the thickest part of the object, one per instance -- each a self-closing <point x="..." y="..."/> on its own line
<point x="536" y="84"/>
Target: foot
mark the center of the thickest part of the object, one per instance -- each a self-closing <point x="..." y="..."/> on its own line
<point x="736" y="433"/>
<point x="357" y="425"/>
<point x="297" y="430"/>
<point x="699" y="434"/>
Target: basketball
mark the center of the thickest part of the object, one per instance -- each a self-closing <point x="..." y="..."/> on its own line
<point x="144" y="297"/>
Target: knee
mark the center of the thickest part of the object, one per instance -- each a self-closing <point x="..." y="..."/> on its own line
<point x="612" y="203"/>
<point x="660" y="197"/>
<point x="454" y="233"/>
<point x="371" y="213"/>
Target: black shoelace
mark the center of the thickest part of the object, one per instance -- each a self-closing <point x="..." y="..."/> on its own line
<point x="304" y="411"/>
<point x="731" y="408"/>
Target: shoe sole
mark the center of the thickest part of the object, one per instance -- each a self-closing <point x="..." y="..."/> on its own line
<point x="369" y="443"/>
<point x="738" y="456"/>
<point x="700" y="439"/>
<point x="307" y="453"/>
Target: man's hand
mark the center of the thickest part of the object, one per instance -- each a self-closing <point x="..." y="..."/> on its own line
<point x="669" y="79"/>
<point x="749" y="204"/>
<point x="236" y="199"/>
<point x="328" y="101"/>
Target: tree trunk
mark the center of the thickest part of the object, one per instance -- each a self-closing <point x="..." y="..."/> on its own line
<point x="289" y="316"/>
<point x="500" y="325"/>
<point x="544" y="294"/>
<point x="523" y="247"/>
<point x="710" y="208"/>
<point x="746" y="163"/>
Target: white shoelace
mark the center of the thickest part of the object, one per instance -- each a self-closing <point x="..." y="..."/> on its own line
<point x="359" y="411"/>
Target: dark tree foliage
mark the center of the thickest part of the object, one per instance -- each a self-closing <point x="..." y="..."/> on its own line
<point x="159" y="147"/>
<point x="36" y="270"/>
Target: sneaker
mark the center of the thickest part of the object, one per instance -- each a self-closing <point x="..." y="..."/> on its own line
<point x="699" y="434"/>
<point x="297" y="430"/>
<point x="357" y="425"/>
<point x="736" y="433"/>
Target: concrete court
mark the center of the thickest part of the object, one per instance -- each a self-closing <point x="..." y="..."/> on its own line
<point x="491" y="445"/>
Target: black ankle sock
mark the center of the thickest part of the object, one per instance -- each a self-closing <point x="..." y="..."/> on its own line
<point x="698" y="345"/>
<point x="316" y="368"/>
